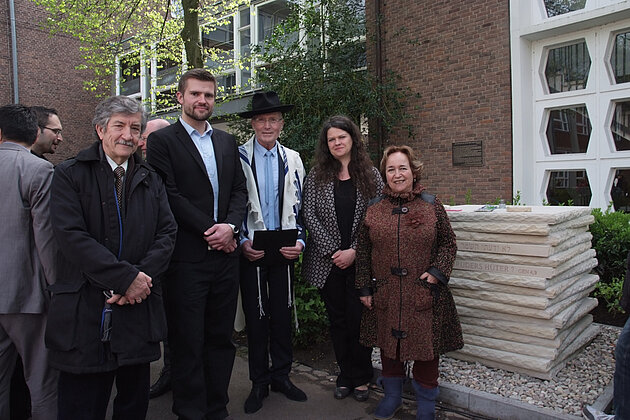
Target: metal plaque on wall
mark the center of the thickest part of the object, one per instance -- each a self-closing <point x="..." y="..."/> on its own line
<point x="468" y="153"/>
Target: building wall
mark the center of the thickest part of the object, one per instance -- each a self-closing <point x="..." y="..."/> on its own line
<point x="47" y="75"/>
<point x="453" y="59"/>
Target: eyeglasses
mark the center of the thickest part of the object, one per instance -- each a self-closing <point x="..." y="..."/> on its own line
<point x="263" y="121"/>
<point x="57" y="131"/>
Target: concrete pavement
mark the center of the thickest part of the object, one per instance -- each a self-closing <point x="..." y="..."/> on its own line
<point x="456" y="402"/>
<point x="319" y="389"/>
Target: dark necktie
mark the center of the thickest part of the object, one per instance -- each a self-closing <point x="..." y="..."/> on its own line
<point x="119" y="172"/>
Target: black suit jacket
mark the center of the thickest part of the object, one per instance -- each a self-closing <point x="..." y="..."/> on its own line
<point x="175" y="157"/>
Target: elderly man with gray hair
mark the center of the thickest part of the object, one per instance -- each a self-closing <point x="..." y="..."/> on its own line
<point x="116" y="233"/>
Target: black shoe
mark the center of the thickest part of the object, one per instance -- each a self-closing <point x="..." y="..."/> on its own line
<point x="341" y="392"/>
<point x="291" y="391"/>
<point x="361" y="395"/>
<point x="256" y="396"/>
<point x="162" y="385"/>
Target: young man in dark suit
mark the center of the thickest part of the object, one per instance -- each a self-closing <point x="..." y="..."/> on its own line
<point x="207" y="193"/>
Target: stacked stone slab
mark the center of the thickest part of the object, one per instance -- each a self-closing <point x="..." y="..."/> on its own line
<point x="521" y="282"/>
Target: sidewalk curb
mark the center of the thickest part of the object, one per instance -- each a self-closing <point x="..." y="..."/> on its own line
<point x="495" y="406"/>
<point x="503" y="408"/>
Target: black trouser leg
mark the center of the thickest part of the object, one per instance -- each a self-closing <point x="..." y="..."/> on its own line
<point x="344" y="312"/>
<point x="202" y="304"/>
<point x="268" y="334"/>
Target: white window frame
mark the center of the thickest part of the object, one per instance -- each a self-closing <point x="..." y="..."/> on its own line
<point x="532" y="34"/>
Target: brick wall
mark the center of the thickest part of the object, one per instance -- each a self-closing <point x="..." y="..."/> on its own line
<point x="453" y="58"/>
<point x="47" y="75"/>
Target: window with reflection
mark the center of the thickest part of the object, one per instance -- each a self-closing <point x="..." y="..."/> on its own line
<point x="168" y="64"/>
<point x="570" y="187"/>
<point x="560" y="7"/>
<point x="218" y="44"/>
<point x="226" y="83"/>
<point x="568" y="130"/>
<point x="244" y="33"/>
<point x="567" y="67"/>
<point x="165" y="100"/>
<point x="620" y="58"/>
<point x="130" y="74"/>
<point x="620" y="126"/>
<point x="268" y="17"/>
<point x="620" y="191"/>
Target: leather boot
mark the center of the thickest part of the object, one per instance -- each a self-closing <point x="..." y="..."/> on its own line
<point x="392" y="400"/>
<point x="425" y="397"/>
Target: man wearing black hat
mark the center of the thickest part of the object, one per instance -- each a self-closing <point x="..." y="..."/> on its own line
<point x="274" y="183"/>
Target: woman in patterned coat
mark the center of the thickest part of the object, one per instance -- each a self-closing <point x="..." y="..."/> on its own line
<point x="405" y="256"/>
<point x="336" y="193"/>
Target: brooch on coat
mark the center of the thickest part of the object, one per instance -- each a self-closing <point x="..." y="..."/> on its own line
<point x="414" y="220"/>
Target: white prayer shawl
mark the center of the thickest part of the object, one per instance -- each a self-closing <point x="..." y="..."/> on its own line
<point x="291" y="203"/>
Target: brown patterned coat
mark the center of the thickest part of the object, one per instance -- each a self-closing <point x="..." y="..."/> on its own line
<point x="320" y="218"/>
<point x="400" y="239"/>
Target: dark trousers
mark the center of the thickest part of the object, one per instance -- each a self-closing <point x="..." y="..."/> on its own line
<point x="20" y="395"/>
<point x="424" y="372"/>
<point x="85" y="396"/>
<point x="201" y="307"/>
<point x="268" y="334"/>
<point x="344" y="313"/>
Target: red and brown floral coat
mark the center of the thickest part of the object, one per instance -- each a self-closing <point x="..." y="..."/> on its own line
<point x="403" y="236"/>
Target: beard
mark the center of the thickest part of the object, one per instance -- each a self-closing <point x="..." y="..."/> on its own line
<point x="198" y="114"/>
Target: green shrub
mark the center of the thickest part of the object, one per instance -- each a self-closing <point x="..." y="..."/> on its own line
<point x="611" y="241"/>
<point x="610" y="293"/>
<point x="312" y="316"/>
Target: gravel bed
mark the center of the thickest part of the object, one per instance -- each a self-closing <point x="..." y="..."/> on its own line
<point x="580" y="382"/>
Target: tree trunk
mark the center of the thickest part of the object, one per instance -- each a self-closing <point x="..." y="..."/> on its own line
<point x="190" y="33"/>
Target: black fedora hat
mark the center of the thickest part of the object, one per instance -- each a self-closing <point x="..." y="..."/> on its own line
<point x="265" y="102"/>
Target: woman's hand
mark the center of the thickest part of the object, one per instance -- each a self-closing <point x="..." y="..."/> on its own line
<point x="344" y="258"/>
<point x="429" y="278"/>
<point x="366" y="301"/>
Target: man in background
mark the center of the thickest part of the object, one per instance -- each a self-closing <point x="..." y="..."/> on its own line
<point x="48" y="139"/>
<point x="152" y="126"/>
<point x="163" y="383"/>
<point x="28" y="258"/>
<point x="50" y="130"/>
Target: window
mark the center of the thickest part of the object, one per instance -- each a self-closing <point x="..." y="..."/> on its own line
<point x="620" y="126"/>
<point x="130" y="74"/>
<point x="620" y="58"/>
<point x="568" y="130"/>
<point x="567" y="67"/>
<point x="620" y="191"/>
<point x="560" y="7"/>
<point x="569" y="187"/>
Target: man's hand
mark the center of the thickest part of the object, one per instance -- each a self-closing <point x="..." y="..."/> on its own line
<point x="117" y="299"/>
<point x="366" y="301"/>
<point x="292" y="252"/>
<point x="250" y="253"/>
<point x="220" y="237"/>
<point x="344" y="259"/>
<point x="139" y="289"/>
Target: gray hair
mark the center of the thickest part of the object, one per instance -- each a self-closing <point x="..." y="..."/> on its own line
<point x="117" y="105"/>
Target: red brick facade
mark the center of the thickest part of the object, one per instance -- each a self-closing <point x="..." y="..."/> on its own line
<point x="46" y="75"/>
<point x="453" y="58"/>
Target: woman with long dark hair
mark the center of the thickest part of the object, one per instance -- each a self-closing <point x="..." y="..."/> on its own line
<point x="336" y="195"/>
